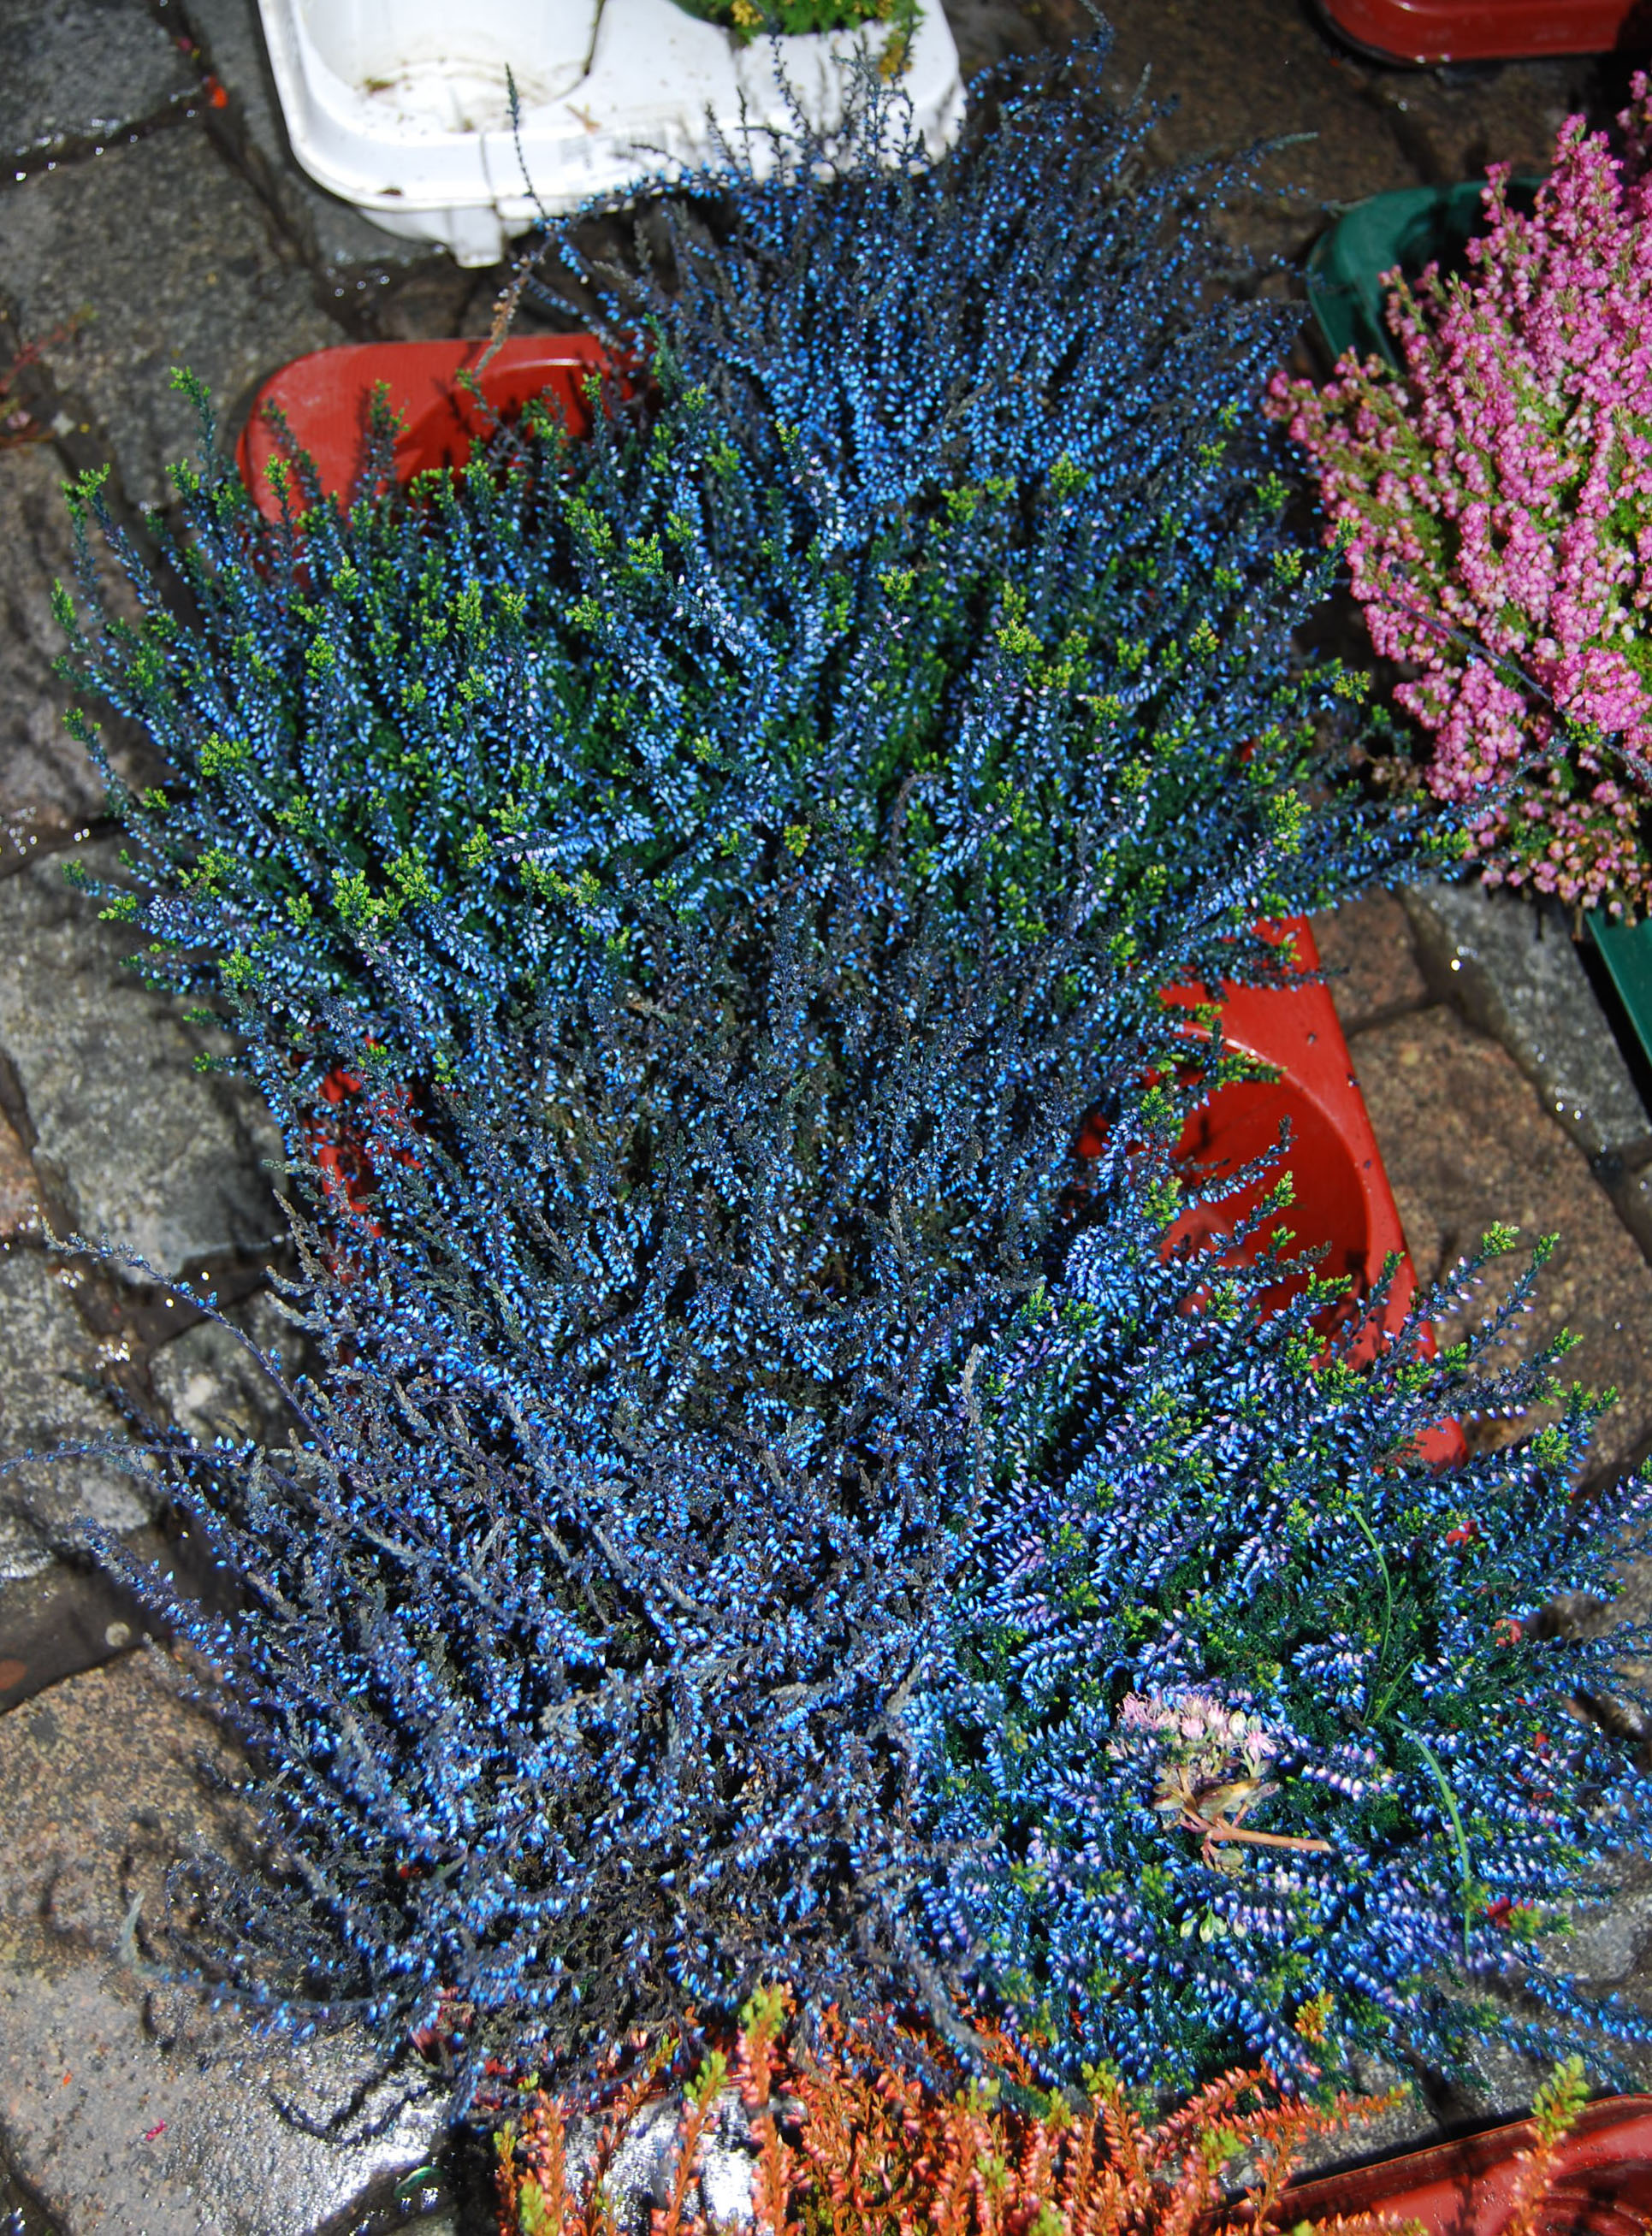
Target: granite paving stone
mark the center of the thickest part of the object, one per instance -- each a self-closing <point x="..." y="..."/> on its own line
<point x="70" y="1616"/>
<point x="213" y="1386"/>
<point x="48" y="788"/>
<point x="126" y="2108"/>
<point x="1245" y="74"/>
<point x="335" y="232"/>
<point x="1235" y="83"/>
<point x="1366" y="948"/>
<point x="133" y="1141"/>
<point x="85" y="71"/>
<point x="1467" y="1143"/>
<point x="163" y="256"/>
<point x="1513" y="969"/>
<point x="19" y="1198"/>
<point x="988" y="31"/>
<point x="1453" y="121"/>
<point x="49" y="1365"/>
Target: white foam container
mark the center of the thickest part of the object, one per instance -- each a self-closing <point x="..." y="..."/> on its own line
<point x="401" y="106"/>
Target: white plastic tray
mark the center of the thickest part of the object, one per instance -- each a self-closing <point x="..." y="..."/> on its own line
<point x="400" y="106"/>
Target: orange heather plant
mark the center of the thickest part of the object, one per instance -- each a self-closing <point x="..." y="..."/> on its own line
<point x="846" y="2149"/>
<point x="1554" y="2115"/>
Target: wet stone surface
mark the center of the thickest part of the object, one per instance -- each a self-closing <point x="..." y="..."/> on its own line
<point x="19" y="1198"/>
<point x="1452" y="122"/>
<point x="1366" y="950"/>
<point x="85" y="71"/>
<point x="48" y="788"/>
<point x="1250" y="73"/>
<point x="172" y="1172"/>
<point x="1513" y="969"/>
<point x="57" y="1621"/>
<point x="213" y="1386"/>
<point x="126" y="2108"/>
<point x="1467" y="1143"/>
<point x="97" y="1345"/>
<point x="336" y="235"/>
<point x="158" y="255"/>
<point x="47" y="1358"/>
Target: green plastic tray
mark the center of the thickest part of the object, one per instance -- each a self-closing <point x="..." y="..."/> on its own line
<point x="1412" y="227"/>
<point x="1626" y="950"/>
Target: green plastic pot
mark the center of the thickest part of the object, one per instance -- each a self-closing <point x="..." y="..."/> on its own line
<point x="1626" y="950"/>
<point x="1412" y="228"/>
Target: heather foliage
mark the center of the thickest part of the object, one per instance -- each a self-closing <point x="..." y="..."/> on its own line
<point x="1276" y="1748"/>
<point x="1496" y="504"/>
<point x="1015" y="552"/>
<point x="843" y="2146"/>
<point x="765" y="1512"/>
<point x="1043" y="303"/>
<point x="581" y="1636"/>
<point x="757" y="1524"/>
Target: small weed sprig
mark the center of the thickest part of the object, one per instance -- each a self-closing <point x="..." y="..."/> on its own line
<point x="750" y="19"/>
<point x="18" y="424"/>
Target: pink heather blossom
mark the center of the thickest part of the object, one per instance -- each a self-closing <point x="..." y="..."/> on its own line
<point x="1500" y="490"/>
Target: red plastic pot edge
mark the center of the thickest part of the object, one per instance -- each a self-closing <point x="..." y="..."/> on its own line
<point x="1602" y="2185"/>
<point x="1425" y="31"/>
<point x="325" y="398"/>
<point x="1298" y="1030"/>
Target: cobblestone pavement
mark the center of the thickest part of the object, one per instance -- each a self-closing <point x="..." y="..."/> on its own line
<point x="150" y="215"/>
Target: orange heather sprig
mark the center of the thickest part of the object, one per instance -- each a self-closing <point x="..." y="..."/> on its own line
<point x="1554" y="2115"/>
<point x="532" y="2181"/>
<point x="876" y="2155"/>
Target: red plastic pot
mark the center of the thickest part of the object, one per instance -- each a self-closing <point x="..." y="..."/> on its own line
<point x="1487" y="31"/>
<point x="1342" y="1192"/>
<point x="327" y="396"/>
<point x="1601" y="2187"/>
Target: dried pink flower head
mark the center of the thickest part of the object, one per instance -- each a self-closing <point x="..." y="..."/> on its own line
<point x="1500" y="490"/>
<point x="1205" y="1757"/>
<point x="1195" y="1729"/>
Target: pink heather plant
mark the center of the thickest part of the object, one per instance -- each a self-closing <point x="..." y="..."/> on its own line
<point x="1500" y="490"/>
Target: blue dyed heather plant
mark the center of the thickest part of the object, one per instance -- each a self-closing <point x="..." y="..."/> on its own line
<point x="1275" y="1741"/>
<point x="749" y="1534"/>
<point x="1041" y="302"/>
<point x="580" y="1640"/>
<point x="1039" y="570"/>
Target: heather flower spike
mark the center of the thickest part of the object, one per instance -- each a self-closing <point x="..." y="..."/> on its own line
<point x="1494" y="500"/>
